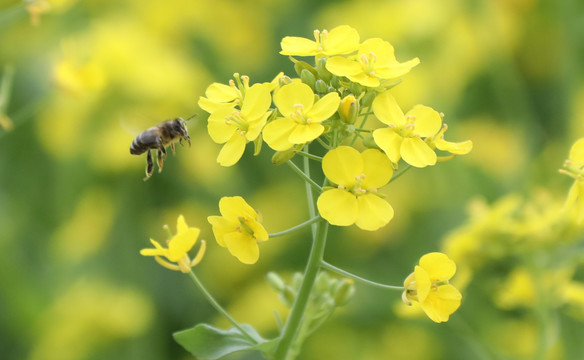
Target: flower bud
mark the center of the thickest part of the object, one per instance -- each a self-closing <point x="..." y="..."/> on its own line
<point x="275" y="281"/>
<point x="308" y="78"/>
<point x="343" y="291"/>
<point x="369" y="142"/>
<point x="349" y="109"/>
<point x="301" y="65"/>
<point x="322" y="71"/>
<point x="356" y="88"/>
<point x="322" y="285"/>
<point x="367" y="99"/>
<point x="320" y="86"/>
<point x="288" y="296"/>
<point x="284" y="80"/>
<point x="281" y="157"/>
<point x="335" y="82"/>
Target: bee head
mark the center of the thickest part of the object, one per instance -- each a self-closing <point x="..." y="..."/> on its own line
<point x="179" y="126"/>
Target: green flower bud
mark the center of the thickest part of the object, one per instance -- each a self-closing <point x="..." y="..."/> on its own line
<point x="367" y="99"/>
<point x="275" y="281"/>
<point x="281" y="157"/>
<point x="335" y="82"/>
<point x="288" y="296"/>
<point x="349" y="109"/>
<point x="301" y="65"/>
<point x="296" y="280"/>
<point x="322" y="283"/>
<point x="356" y="88"/>
<point x="308" y="78"/>
<point x="322" y="71"/>
<point x="343" y="291"/>
<point x="320" y="86"/>
<point x="284" y="80"/>
<point x="369" y="142"/>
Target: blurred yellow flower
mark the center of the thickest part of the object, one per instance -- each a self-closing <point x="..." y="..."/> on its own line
<point x="178" y="247"/>
<point x="574" y="167"/>
<point x="341" y="40"/>
<point x="77" y="79"/>
<point x="403" y="137"/>
<point x="374" y="62"/>
<point x="302" y="116"/>
<point x="235" y="128"/>
<point x="429" y="286"/>
<point x="239" y="229"/>
<point x="354" y="200"/>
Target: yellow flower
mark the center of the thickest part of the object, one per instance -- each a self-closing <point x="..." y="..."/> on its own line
<point x="302" y="116"/>
<point x="574" y="167"/>
<point x="403" y="137"/>
<point x="374" y="61"/>
<point x="178" y="247"/>
<point x="239" y="229"/>
<point x="428" y="285"/>
<point x="220" y="95"/>
<point x="354" y="200"/>
<point x="341" y="40"/>
<point x="235" y="128"/>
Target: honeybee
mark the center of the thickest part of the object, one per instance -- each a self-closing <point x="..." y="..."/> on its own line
<point x="158" y="138"/>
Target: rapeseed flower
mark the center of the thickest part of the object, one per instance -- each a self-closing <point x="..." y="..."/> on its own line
<point x="574" y="167"/>
<point x="178" y="247"/>
<point x="340" y="40"/>
<point x="239" y="229"/>
<point x="354" y="199"/>
<point x="428" y="285"/>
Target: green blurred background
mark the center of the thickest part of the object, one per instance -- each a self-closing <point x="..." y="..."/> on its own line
<point x="74" y="211"/>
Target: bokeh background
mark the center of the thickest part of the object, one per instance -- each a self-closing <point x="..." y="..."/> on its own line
<point x="82" y="78"/>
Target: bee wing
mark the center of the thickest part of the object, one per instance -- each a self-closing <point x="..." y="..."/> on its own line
<point x="135" y="124"/>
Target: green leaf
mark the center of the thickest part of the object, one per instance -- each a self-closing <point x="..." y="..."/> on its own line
<point x="209" y="343"/>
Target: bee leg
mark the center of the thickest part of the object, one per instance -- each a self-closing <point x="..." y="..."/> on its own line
<point x="172" y="148"/>
<point x="149" y="165"/>
<point x="180" y="142"/>
<point x="162" y="149"/>
<point x="160" y="160"/>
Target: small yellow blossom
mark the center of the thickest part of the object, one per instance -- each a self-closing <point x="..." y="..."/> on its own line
<point x="302" y="116"/>
<point x="574" y="167"/>
<point x="403" y="137"/>
<point x="354" y="200"/>
<point x="341" y="40"/>
<point x="375" y="61"/>
<point x="77" y="78"/>
<point x="178" y="247"/>
<point x="428" y="285"/>
<point x="239" y="229"/>
<point x="235" y="128"/>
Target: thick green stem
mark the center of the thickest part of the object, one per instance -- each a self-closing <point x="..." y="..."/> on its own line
<point x="333" y="268"/>
<point x="297" y="227"/>
<point x="218" y="307"/>
<point x="295" y="318"/>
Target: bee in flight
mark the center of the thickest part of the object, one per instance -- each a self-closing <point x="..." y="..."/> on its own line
<point x="158" y="138"/>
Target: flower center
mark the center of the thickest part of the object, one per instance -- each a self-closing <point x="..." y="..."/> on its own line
<point x="298" y="115"/>
<point x="357" y="189"/>
<point x="321" y="38"/>
<point x="236" y="119"/>
<point x="243" y="225"/>
<point x="368" y="63"/>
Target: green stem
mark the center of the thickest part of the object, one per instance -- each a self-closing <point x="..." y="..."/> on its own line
<point x="218" y="307"/>
<point x="294" y="319"/>
<point x="309" y="195"/>
<point x="303" y="175"/>
<point x="310" y="156"/>
<point x="324" y="145"/>
<point x="362" y="125"/>
<point x="297" y="227"/>
<point x="408" y="166"/>
<point x="339" y="271"/>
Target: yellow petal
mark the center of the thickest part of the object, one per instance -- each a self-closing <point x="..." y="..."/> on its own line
<point x="577" y="153"/>
<point x="396" y="69"/>
<point x="440" y="304"/>
<point x="221" y="93"/>
<point x="292" y="45"/>
<point x="377" y="169"/>
<point x="417" y="153"/>
<point x="458" y="148"/>
<point x="218" y="129"/>
<point x="181" y="224"/>
<point x="338" y="207"/>
<point x="154" y="252"/>
<point x="221" y="226"/>
<point x="213" y="106"/>
<point x="387" y="110"/>
<point x="277" y="133"/>
<point x="427" y="120"/>
<point x="243" y="247"/>
<point x="259" y="232"/>
<point x="342" y="66"/>
<point x="291" y="95"/>
<point x="390" y="142"/>
<point x="232" y="207"/>
<point x="342" y="165"/>
<point x="438" y="266"/>
<point x="365" y="79"/>
<point x="232" y="151"/>
<point x="181" y="243"/>
<point x="304" y="133"/>
<point x="324" y="108"/>
<point x="382" y="49"/>
<point x="342" y="40"/>
<point x="256" y="103"/>
<point x="256" y="127"/>
<point x="373" y="212"/>
<point x="423" y="283"/>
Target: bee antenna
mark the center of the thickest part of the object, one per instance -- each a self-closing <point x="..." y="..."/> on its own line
<point x="191" y="117"/>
